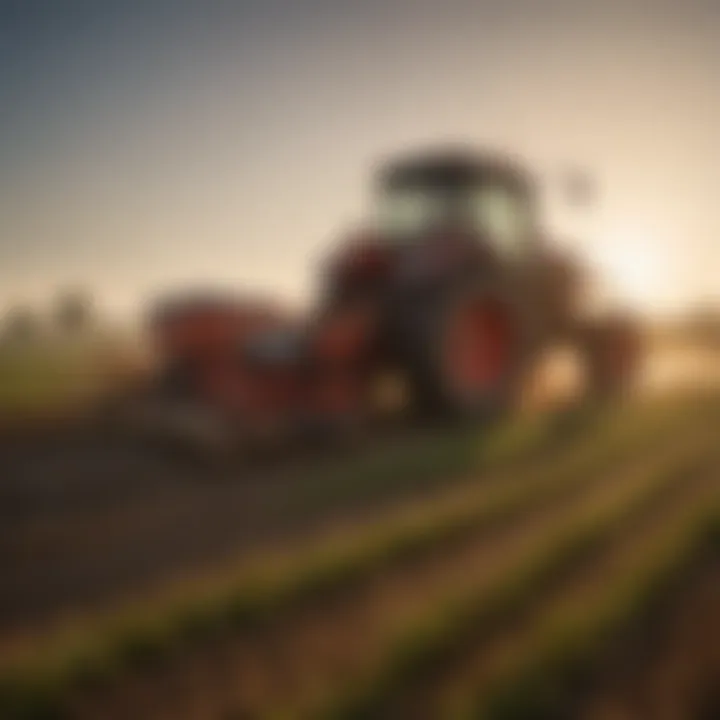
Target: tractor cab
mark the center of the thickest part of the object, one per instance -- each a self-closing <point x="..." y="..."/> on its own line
<point x="434" y="215"/>
<point x="484" y="196"/>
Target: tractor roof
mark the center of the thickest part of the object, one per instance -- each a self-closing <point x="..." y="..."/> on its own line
<point x="454" y="167"/>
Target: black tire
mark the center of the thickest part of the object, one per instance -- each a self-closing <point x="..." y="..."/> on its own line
<point x="424" y="330"/>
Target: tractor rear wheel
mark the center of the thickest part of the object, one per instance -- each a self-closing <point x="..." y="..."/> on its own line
<point x="466" y="352"/>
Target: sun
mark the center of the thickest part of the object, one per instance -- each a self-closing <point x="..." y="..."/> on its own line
<point x="632" y="266"/>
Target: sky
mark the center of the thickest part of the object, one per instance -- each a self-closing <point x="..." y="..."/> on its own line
<point x="149" y="145"/>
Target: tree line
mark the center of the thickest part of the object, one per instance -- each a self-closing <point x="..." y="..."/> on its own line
<point x="71" y="313"/>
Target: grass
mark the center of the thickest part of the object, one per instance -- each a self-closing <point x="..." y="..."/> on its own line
<point x="420" y="463"/>
<point x="50" y="375"/>
<point x="33" y="382"/>
<point x="420" y="649"/>
<point x="451" y="458"/>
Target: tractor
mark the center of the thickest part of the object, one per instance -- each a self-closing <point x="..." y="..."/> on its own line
<point x="435" y="307"/>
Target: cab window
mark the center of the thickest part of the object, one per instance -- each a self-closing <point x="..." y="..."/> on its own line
<point x="501" y="215"/>
<point x="408" y="212"/>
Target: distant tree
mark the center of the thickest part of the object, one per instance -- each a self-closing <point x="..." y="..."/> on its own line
<point x="74" y="311"/>
<point x="19" y="325"/>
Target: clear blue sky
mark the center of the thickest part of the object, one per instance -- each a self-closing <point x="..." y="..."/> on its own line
<point x="148" y="144"/>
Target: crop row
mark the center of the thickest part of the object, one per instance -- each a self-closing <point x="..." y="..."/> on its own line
<point x="552" y="664"/>
<point x="422" y="648"/>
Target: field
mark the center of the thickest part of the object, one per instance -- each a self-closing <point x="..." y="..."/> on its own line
<point x="521" y="572"/>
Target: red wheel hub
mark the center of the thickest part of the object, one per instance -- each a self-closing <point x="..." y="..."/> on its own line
<point x="479" y="344"/>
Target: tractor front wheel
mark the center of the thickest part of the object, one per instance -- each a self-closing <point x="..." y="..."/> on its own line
<point x="612" y="351"/>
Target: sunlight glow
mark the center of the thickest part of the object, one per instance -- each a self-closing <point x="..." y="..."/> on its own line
<point x="633" y="266"/>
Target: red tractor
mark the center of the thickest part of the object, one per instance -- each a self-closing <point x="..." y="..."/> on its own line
<point x="440" y="304"/>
